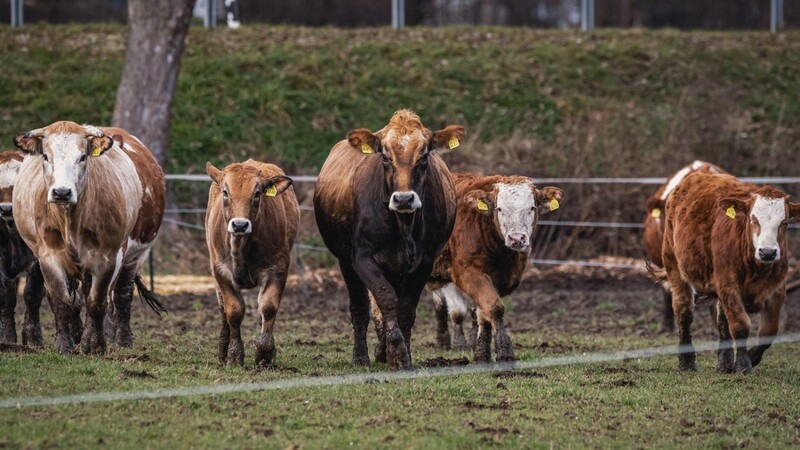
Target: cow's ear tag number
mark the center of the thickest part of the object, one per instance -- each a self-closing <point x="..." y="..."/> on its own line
<point x="731" y="212"/>
<point x="655" y="213"/>
<point x="271" y="191"/>
<point x="554" y="204"/>
<point x="366" y="149"/>
<point x="482" y="206"/>
<point x="97" y="152"/>
<point x="453" y="143"/>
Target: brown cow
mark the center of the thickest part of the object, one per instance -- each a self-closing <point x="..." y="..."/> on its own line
<point x="653" y="233"/>
<point x="250" y="230"/>
<point x="727" y="238"/>
<point x="385" y="207"/>
<point x="15" y="259"/>
<point x="487" y="255"/>
<point x="89" y="207"/>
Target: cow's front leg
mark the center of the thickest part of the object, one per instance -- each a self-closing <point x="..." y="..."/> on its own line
<point x="33" y="293"/>
<point x="94" y="340"/>
<point x="725" y="350"/>
<point x="269" y="300"/>
<point x="369" y="272"/>
<point x="739" y="326"/>
<point x="233" y="311"/>
<point x="8" y="303"/>
<point x="768" y="328"/>
<point x="55" y="281"/>
<point x="380" y="330"/>
<point x="490" y="317"/>
<point x="122" y="299"/>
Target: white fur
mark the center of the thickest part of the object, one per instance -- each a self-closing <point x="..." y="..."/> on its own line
<point x="64" y="151"/>
<point x="673" y="182"/>
<point x="9" y="172"/>
<point x="455" y="299"/>
<point x="246" y="231"/>
<point x="516" y="211"/>
<point x="770" y="212"/>
<point x="416" y="203"/>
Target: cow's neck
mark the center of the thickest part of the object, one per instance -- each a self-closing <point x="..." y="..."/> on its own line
<point x="405" y="224"/>
<point x="68" y="227"/>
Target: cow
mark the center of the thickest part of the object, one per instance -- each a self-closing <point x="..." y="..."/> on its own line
<point x="251" y="224"/>
<point x="385" y="207"/>
<point x="16" y="259"/>
<point x="89" y="203"/>
<point x="727" y="238"/>
<point x="487" y="254"/>
<point x="653" y="233"/>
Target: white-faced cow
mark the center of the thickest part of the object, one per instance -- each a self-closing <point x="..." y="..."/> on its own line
<point x="487" y="255"/>
<point x="727" y="238"/>
<point x="653" y="233"/>
<point x="385" y="206"/>
<point x="89" y="203"/>
<point x="15" y="259"/>
<point x="251" y="223"/>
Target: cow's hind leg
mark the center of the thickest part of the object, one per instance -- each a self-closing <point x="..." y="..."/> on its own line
<point x="224" y="339"/>
<point x="668" y="314"/>
<point x="233" y="311"/>
<point x="442" y="333"/>
<point x="33" y="293"/>
<point x="269" y="300"/>
<point x="122" y="298"/>
<point x="683" y="305"/>
<point x="770" y="319"/>
<point x="456" y="305"/>
<point x="359" y="314"/>
<point x="725" y="350"/>
<point x="55" y="281"/>
<point x="739" y="326"/>
<point x="94" y="340"/>
<point x="8" y="304"/>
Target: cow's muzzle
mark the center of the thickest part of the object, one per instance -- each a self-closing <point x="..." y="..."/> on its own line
<point x="767" y="254"/>
<point x="240" y="227"/>
<point x="405" y="202"/>
<point x="517" y="242"/>
<point x="6" y="211"/>
<point x="61" y="195"/>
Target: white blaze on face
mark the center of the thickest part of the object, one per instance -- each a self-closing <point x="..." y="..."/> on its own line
<point x="8" y="173"/>
<point x="66" y="166"/>
<point x="770" y="213"/>
<point x="516" y="211"/>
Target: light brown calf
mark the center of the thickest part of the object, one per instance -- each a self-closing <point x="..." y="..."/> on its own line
<point x="251" y="223"/>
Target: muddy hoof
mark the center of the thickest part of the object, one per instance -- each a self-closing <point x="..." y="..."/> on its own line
<point x="93" y="343"/>
<point x="443" y="341"/>
<point x="265" y="350"/>
<point x="687" y="363"/>
<point x="64" y="344"/>
<point x="725" y="361"/>
<point x="8" y="335"/>
<point x="743" y="365"/>
<point x="32" y="336"/>
<point x="380" y="352"/>
<point x="235" y="355"/>
<point x="398" y="356"/>
<point x="123" y="338"/>
<point x="361" y="360"/>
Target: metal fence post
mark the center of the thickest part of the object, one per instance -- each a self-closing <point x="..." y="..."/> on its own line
<point x="398" y="14"/>
<point x="16" y="13"/>
<point x="210" y="19"/>
<point x="587" y="15"/>
<point x="775" y="16"/>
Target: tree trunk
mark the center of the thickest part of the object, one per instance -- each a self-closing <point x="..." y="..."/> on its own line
<point x="156" y="34"/>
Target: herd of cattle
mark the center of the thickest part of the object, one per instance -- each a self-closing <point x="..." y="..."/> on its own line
<point x="82" y="205"/>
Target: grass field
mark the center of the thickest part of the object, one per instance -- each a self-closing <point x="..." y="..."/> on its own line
<point x="628" y="403"/>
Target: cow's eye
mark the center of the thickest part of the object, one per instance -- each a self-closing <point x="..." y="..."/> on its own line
<point x="45" y="157"/>
<point x="82" y="159"/>
<point x="499" y="209"/>
<point x="225" y="193"/>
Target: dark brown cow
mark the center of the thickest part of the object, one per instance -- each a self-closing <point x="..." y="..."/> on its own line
<point x="89" y="207"/>
<point x="727" y="238"/>
<point x="385" y="206"/>
<point x="15" y="259"/>
<point x="251" y="223"/>
<point x="487" y="254"/>
<point x="653" y="233"/>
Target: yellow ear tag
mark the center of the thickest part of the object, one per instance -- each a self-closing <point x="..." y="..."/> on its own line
<point x="366" y="149"/>
<point x="271" y="191"/>
<point x="731" y="212"/>
<point x="655" y="213"/>
<point x="453" y="143"/>
<point x="553" y="204"/>
<point x="482" y="206"/>
<point x="98" y="151"/>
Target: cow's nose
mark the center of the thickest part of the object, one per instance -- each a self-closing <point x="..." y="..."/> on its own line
<point x="404" y="201"/>
<point x="517" y="240"/>
<point x="767" y="254"/>
<point x="6" y="209"/>
<point x="62" y="193"/>
<point x="240" y="226"/>
<point x="403" y="197"/>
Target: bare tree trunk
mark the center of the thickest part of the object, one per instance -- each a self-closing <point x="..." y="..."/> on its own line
<point x="156" y="34"/>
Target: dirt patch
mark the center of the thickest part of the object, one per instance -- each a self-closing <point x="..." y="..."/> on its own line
<point x="444" y="362"/>
<point x="520" y="374"/>
<point x="623" y="383"/>
<point x="137" y="374"/>
<point x="15" y="348"/>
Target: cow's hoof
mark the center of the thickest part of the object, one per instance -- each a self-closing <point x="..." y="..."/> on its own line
<point x="76" y="329"/>
<point x="686" y="363"/>
<point x="93" y="342"/>
<point x="443" y="341"/>
<point x="8" y="335"/>
<point x="235" y="354"/>
<point x="32" y="336"/>
<point x="743" y="365"/>
<point x="380" y="353"/>
<point x="64" y="344"/>
<point x="123" y="337"/>
<point x="399" y="358"/>
<point x="265" y="350"/>
<point x="725" y="361"/>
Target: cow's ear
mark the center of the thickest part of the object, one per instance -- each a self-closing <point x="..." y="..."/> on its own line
<point x="549" y="197"/>
<point x="447" y="138"/>
<point x="99" y="143"/>
<point x="794" y="210"/>
<point x="655" y="206"/>
<point x="215" y="174"/>
<point x="364" y="140"/>
<point x="31" y="142"/>
<point x="734" y="207"/>
<point x="277" y="185"/>
<point x="480" y="201"/>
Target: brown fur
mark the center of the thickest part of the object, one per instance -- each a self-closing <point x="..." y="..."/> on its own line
<point x="653" y="236"/>
<point x="709" y="252"/>
<point x="387" y="253"/>
<point x="260" y="258"/>
<point x="477" y="260"/>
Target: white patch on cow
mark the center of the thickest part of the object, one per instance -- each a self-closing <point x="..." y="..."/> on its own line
<point x="770" y="213"/>
<point x="248" y="228"/>
<point x="516" y="211"/>
<point x="66" y="169"/>
<point x="128" y="147"/>
<point x="697" y="164"/>
<point x="452" y="295"/>
<point x="398" y="202"/>
<point x="117" y="266"/>
<point x="9" y="172"/>
<point x="404" y="142"/>
<point x="675" y="180"/>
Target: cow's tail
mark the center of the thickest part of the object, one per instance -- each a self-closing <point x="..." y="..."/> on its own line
<point x="658" y="274"/>
<point x="147" y="296"/>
